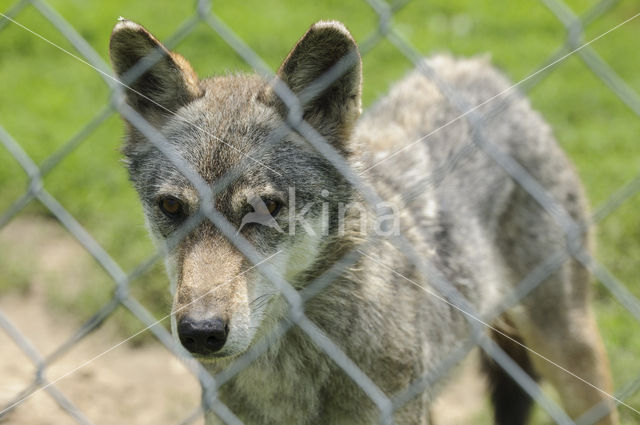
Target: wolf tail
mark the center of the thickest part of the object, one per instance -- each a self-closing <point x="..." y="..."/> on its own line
<point x="511" y="404"/>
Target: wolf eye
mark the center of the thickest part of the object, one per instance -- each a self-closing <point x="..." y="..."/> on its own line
<point x="273" y="207"/>
<point x="171" y="207"/>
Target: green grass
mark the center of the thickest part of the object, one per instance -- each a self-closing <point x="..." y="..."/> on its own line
<point x="48" y="96"/>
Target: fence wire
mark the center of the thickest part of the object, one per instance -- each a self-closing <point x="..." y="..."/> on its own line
<point x="387" y="404"/>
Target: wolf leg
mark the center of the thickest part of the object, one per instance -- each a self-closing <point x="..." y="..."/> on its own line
<point x="511" y="404"/>
<point x="570" y="352"/>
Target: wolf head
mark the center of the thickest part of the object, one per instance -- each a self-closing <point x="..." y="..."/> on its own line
<point x="234" y="133"/>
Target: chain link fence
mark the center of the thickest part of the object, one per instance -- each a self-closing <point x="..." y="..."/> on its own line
<point x="205" y="13"/>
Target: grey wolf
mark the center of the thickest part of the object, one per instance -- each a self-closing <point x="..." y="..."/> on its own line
<point x="480" y="228"/>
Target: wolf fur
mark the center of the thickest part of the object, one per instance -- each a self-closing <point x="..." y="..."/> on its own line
<point x="480" y="228"/>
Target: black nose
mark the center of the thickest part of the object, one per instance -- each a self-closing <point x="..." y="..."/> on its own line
<point x="202" y="336"/>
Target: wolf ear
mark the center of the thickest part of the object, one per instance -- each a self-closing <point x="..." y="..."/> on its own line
<point x="167" y="84"/>
<point x="325" y="72"/>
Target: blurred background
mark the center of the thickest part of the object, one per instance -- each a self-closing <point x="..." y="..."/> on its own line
<point x="49" y="284"/>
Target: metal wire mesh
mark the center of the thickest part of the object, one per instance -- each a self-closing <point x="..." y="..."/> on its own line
<point x="446" y="292"/>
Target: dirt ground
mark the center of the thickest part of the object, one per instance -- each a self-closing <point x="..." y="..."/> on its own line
<point x="134" y="385"/>
<point x="145" y="383"/>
